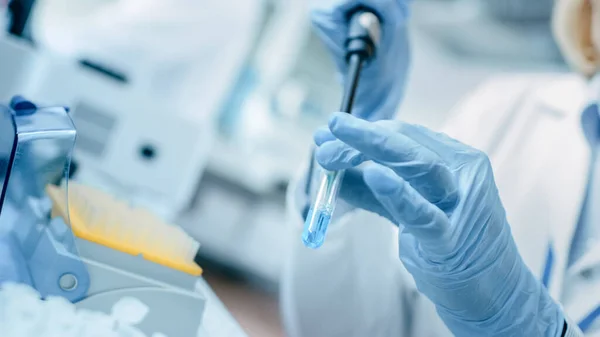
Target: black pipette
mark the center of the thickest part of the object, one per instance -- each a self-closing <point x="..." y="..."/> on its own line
<point x="363" y="38"/>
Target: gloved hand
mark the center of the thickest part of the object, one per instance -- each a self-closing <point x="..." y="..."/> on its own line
<point x="382" y="81"/>
<point x="454" y="238"/>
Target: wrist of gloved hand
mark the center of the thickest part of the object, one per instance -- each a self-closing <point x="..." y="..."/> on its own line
<point x="518" y="305"/>
<point x="570" y="329"/>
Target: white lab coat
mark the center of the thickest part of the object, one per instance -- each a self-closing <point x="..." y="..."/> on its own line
<point x="529" y="125"/>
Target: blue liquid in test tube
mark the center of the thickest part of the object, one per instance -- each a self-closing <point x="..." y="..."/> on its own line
<point x="319" y="216"/>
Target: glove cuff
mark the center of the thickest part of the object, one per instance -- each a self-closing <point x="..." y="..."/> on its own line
<point x="571" y="329"/>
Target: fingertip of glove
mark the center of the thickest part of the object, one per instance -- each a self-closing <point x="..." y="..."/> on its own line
<point x="324" y="153"/>
<point x="335" y="155"/>
<point x="323" y="135"/>
<point x="337" y="120"/>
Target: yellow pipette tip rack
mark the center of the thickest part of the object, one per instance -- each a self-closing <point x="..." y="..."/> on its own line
<point x="98" y="217"/>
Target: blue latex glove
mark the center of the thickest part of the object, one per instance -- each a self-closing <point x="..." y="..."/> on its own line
<point x="382" y="82"/>
<point x="455" y="240"/>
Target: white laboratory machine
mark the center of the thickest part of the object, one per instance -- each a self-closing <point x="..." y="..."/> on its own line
<point x="146" y="115"/>
<point x="144" y="81"/>
<point x="97" y="255"/>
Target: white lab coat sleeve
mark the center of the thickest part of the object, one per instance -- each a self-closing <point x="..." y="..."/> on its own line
<point x="481" y="117"/>
<point x="354" y="285"/>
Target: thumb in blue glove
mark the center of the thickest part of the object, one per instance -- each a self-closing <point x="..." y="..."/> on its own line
<point x="455" y="240"/>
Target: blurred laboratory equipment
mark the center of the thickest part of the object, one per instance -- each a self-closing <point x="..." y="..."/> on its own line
<point x="35" y="152"/>
<point x="453" y="53"/>
<point x="208" y="134"/>
<point x="278" y="97"/>
<point x="518" y="10"/>
<point x="144" y="135"/>
<point x="144" y="86"/>
<point x="520" y="29"/>
<point x="288" y="88"/>
<point x="26" y="314"/>
<point x="78" y="243"/>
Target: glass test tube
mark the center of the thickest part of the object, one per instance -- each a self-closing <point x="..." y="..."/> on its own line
<point x="320" y="213"/>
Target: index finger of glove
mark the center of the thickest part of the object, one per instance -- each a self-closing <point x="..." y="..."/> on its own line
<point x="418" y="165"/>
<point x="323" y="135"/>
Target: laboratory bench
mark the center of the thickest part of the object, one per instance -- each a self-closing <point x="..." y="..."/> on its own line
<point x="217" y="321"/>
